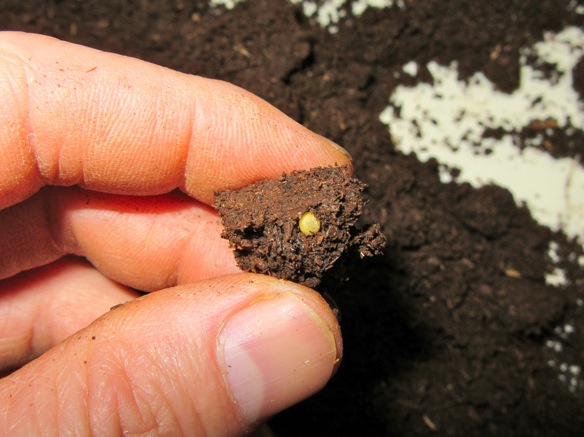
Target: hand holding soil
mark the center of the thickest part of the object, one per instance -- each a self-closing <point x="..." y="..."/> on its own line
<point x="116" y="161"/>
<point x="473" y="319"/>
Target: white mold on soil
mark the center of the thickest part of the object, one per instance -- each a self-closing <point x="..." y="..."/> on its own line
<point x="448" y="121"/>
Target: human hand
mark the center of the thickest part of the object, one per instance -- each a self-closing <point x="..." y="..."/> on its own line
<point x="116" y="160"/>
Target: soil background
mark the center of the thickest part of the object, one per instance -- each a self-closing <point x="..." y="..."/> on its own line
<point x="449" y="331"/>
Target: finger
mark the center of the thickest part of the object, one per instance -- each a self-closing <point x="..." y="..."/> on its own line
<point x="73" y="115"/>
<point x="211" y="358"/>
<point x="40" y="308"/>
<point x="147" y="243"/>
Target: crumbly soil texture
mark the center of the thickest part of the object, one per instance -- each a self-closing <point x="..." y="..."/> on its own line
<point x="263" y="224"/>
<point x="453" y="331"/>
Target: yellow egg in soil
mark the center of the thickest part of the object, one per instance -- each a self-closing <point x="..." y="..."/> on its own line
<point x="309" y="224"/>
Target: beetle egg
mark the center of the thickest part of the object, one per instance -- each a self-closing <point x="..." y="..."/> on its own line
<point x="309" y="224"/>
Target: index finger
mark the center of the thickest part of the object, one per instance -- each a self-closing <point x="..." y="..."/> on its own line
<point x="72" y="115"/>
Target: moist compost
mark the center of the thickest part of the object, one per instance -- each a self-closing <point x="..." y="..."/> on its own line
<point x="263" y="223"/>
<point x="453" y="331"/>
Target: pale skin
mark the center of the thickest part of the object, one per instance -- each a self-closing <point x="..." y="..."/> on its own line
<point x="115" y="161"/>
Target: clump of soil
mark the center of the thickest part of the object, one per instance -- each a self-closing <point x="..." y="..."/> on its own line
<point x="261" y="221"/>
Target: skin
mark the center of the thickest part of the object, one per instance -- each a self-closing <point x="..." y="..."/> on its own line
<point x="108" y="170"/>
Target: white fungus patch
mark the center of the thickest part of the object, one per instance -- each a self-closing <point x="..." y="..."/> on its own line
<point x="554" y="345"/>
<point x="227" y="4"/>
<point x="557" y="277"/>
<point x="411" y="68"/>
<point x="328" y="14"/>
<point x="447" y="121"/>
<point x="569" y="374"/>
<point x="575" y="6"/>
<point x="360" y="6"/>
<point x="552" y="253"/>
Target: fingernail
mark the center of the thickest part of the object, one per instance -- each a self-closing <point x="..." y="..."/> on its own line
<point x="339" y="148"/>
<point x="276" y="352"/>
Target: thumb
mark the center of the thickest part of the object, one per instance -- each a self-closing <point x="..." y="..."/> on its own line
<point x="211" y="358"/>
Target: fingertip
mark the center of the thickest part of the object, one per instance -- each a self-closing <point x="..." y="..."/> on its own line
<point x="243" y="139"/>
<point x="339" y="154"/>
<point x="278" y="350"/>
<point x="319" y="304"/>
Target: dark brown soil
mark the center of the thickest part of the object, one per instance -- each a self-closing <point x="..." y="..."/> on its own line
<point x="263" y="223"/>
<point x="454" y="330"/>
